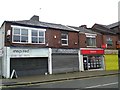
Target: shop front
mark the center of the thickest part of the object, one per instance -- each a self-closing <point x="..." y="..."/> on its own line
<point x="65" y="60"/>
<point x="91" y="59"/>
<point x="26" y="61"/>
<point x="111" y="60"/>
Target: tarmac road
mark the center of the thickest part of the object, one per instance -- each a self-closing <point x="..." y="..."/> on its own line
<point x="94" y="82"/>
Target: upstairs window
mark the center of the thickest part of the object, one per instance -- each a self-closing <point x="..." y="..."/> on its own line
<point x="64" y="39"/>
<point x="28" y="35"/>
<point x="38" y="36"/>
<point x="20" y="35"/>
<point x="109" y="41"/>
<point x="91" y="40"/>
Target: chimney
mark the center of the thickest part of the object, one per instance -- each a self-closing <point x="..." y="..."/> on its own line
<point x="35" y="18"/>
<point x="83" y="26"/>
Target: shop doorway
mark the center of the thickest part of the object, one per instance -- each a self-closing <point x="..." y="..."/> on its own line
<point x="85" y="62"/>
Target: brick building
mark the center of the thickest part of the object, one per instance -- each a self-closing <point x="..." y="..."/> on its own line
<point x="110" y="39"/>
<point x="32" y="47"/>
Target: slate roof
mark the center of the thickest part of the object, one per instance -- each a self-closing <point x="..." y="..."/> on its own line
<point x="103" y="29"/>
<point x="113" y="24"/>
<point x="34" y="23"/>
<point x="84" y="30"/>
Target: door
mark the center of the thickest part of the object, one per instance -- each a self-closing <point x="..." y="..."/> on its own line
<point x="85" y="62"/>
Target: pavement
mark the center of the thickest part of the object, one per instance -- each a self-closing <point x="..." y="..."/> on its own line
<point x="55" y="77"/>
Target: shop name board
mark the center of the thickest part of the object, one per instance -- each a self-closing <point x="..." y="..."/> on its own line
<point x="92" y="51"/>
<point x="20" y="52"/>
<point x="69" y="51"/>
<point x="111" y="51"/>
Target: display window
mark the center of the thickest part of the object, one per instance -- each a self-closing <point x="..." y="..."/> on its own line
<point x="92" y="62"/>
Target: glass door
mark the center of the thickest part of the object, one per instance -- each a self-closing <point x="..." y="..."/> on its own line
<point x="85" y="62"/>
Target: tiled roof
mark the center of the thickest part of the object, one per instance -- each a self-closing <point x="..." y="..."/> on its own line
<point x="103" y="29"/>
<point x="42" y="24"/>
<point x="84" y="30"/>
<point x="113" y="24"/>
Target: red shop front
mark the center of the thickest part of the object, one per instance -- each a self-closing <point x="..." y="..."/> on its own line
<point x="92" y="59"/>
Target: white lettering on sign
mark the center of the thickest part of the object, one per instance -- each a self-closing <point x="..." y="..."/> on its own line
<point x="92" y="51"/>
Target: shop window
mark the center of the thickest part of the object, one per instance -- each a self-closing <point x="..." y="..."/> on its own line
<point x="109" y="41"/>
<point x="64" y="39"/>
<point x="91" y="40"/>
<point x="94" y="62"/>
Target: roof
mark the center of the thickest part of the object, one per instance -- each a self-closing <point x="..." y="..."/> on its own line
<point x="103" y="29"/>
<point x="84" y="30"/>
<point x="113" y="25"/>
<point x="34" y="23"/>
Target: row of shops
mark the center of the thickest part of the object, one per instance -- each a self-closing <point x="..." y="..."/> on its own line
<point x="35" y="61"/>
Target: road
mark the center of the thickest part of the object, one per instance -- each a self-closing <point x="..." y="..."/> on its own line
<point x="95" y="82"/>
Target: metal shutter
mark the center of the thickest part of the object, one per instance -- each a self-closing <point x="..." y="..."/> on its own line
<point x="65" y="63"/>
<point x="29" y="66"/>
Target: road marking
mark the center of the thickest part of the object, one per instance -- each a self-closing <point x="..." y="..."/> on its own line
<point x="102" y="85"/>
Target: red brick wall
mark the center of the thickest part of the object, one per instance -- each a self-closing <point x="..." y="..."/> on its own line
<point x="99" y="41"/>
<point x="82" y="40"/>
<point x="56" y="42"/>
<point x="73" y="40"/>
<point x="114" y="39"/>
<point x="52" y="39"/>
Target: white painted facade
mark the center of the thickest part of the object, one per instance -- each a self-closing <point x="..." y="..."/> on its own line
<point x="17" y="52"/>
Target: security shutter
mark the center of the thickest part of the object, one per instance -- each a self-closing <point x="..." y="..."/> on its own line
<point x="29" y="66"/>
<point x="65" y="63"/>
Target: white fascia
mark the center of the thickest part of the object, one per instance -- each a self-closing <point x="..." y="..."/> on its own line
<point x="29" y="28"/>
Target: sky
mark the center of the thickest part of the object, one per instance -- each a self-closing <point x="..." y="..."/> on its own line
<point x="66" y="12"/>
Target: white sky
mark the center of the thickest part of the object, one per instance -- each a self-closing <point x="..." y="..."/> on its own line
<point x="66" y="12"/>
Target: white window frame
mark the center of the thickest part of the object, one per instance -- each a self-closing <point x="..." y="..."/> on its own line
<point x="38" y="36"/>
<point x="29" y="34"/>
<point x="64" y="39"/>
<point x="90" y="36"/>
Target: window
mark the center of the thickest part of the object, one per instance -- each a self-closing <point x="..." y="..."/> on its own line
<point x="20" y="35"/>
<point x="28" y="35"/>
<point x="91" y="40"/>
<point x="38" y="36"/>
<point x="64" y="39"/>
<point x="109" y="41"/>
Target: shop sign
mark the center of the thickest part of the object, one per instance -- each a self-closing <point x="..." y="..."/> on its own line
<point x="68" y="51"/>
<point x="28" y="52"/>
<point x="111" y="51"/>
<point x="92" y="51"/>
<point x="20" y="52"/>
